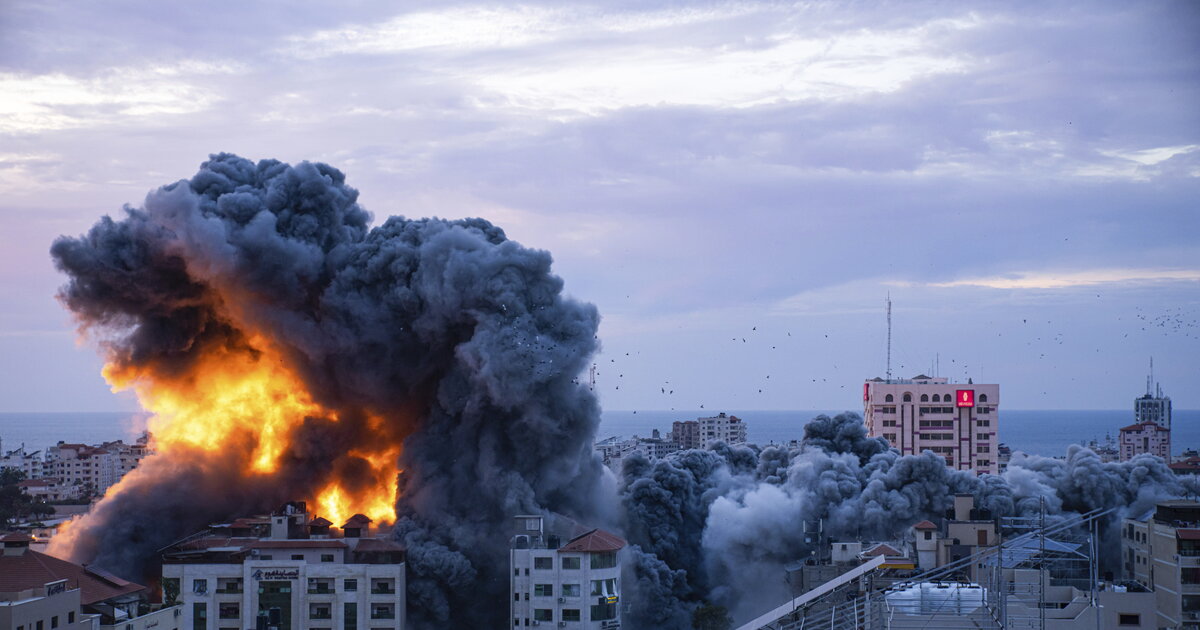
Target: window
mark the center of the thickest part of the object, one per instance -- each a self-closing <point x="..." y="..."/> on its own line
<point x="70" y="617"/>
<point x="983" y="462"/>
<point x="228" y="610"/>
<point x="570" y="590"/>
<point x="543" y="614"/>
<point x="516" y="597"/>
<point x="350" y="586"/>
<point x="199" y="616"/>
<point x="543" y="563"/>
<point x="889" y="398"/>
<point x="199" y="587"/>
<point x="604" y="588"/>
<point x="543" y="590"/>
<point x="319" y="611"/>
<point x="1124" y="619"/>
<point x="54" y="621"/>
<point x="983" y="448"/>
<point x="982" y="436"/>
<point x="266" y="557"/>
<point x="39" y="625"/>
<point x="928" y="535"/>
<point x="297" y="556"/>
<point x="984" y="423"/>
<point x="570" y="614"/>
<point x="326" y="557"/>
<point x="604" y="612"/>
<point x="383" y="611"/>
<point x="570" y="562"/>
<point x="350" y="616"/>
<point x="908" y="398"/>
<point x="925" y="398"/>
<point x="516" y="572"/>
<point x="604" y="560"/>
<point x="983" y="398"/>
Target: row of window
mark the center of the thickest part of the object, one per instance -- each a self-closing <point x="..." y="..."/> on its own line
<point x="379" y="586"/>
<point x="925" y="398"/>
<point x="600" y="612"/>
<point x="41" y="624"/>
<point x="606" y="560"/>
<point x="980" y="463"/>
<point x="936" y="436"/>
<point x="600" y="588"/>
<point x="233" y="610"/>
<point x="925" y="410"/>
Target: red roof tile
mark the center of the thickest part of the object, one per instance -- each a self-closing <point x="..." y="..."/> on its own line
<point x="882" y="549"/>
<point x="1188" y="534"/>
<point x="595" y="540"/>
<point x="319" y="522"/>
<point x="32" y="570"/>
<point x="1140" y="427"/>
<point x="925" y="525"/>
<point x="358" y="520"/>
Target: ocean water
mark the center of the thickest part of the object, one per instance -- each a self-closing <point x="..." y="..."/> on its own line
<point x="1041" y="432"/>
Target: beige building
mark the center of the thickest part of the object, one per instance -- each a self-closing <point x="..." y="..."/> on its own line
<point x="956" y="421"/>
<point x="1161" y="551"/>
<point x="41" y="592"/>
<point x="1146" y="437"/>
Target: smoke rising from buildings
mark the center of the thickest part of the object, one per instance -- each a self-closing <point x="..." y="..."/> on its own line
<point x="442" y="341"/>
<point x="738" y="516"/>
<point x="285" y="343"/>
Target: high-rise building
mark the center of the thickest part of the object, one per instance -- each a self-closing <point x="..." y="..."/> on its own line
<point x="290" y="571"/>
<point x="953" y="420"/>
<point x="571" y="584"/>
<point x="1151" y="428"/>
<point x="685" y="434"/>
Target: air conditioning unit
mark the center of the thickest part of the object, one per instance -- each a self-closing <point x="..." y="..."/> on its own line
<point x="562" y="599"/>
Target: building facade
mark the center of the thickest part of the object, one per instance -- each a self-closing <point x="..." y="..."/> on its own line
<point x="958" y="422"/>
<point x="685" y="434"/>
<point x="291" y="572"/>
<point x="1161" y="551"/>
<point x="573" y="585"/>
<point x="1146" y="437"/>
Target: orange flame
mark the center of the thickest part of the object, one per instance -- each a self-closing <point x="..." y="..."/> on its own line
<point x="250" y="399"/>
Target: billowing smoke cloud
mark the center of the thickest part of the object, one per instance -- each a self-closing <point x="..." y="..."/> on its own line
<point x="459" y="339"/>
<point x="721" y="526"/>
<point x="455" y="349"/>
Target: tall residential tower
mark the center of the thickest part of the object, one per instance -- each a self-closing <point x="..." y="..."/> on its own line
<point x="955" y="421"/>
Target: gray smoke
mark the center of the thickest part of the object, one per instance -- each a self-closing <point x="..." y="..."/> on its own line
<point x="728" y="528"/>
<point x="458" y="337"/>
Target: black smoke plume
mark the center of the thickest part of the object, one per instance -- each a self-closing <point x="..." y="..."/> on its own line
<point x="459" y="338"/>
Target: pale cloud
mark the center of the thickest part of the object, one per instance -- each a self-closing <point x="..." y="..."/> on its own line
<point x="1069" y="279"/>
<point x="46" y="102"/>
<point x="1152" y="156"/>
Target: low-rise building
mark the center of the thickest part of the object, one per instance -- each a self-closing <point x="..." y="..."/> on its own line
<point x="289" y="571"/>
<point x="41" y="592"/>
<point x="564" y="582"/>
<point x="1161" y="551"/>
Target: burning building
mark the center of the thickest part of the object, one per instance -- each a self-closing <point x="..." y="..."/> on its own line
<point x="291" y="569"/>
<point x="423" y="371"/>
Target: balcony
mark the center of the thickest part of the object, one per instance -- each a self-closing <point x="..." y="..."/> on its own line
<point x="383" y="613"/>
<point x="383" y="589"/>
<point x="320" y="590"/>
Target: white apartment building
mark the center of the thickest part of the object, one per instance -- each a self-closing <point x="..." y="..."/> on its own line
<point x="86" y="468"/>
<point x="1146" y="437"/>
<point x="575" y="585"/>
<point x="956" y="421"/>
<point x="32" y="464"/>
<point x="289" y="572"/>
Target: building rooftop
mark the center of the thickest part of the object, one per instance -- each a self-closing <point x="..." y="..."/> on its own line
<point x="1141" y="426"/>
<point x="32" y="569"/>
<point x="596" y="540"/>
<point x="925" y="525"/>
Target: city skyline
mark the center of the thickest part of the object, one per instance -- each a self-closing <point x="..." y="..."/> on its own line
<point x="736" y="187"/>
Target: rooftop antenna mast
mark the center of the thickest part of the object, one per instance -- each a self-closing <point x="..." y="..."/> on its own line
<point x="1150" y="379"/>
<point x="889" y="337"/>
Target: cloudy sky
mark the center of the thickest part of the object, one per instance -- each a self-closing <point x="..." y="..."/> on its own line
<point x="737" y="186"/>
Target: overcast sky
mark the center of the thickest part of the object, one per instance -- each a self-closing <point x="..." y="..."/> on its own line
<point x="737" y="186"/>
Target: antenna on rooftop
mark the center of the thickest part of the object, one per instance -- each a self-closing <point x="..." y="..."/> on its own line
<point x="1150" y="379"/>
<point x="889" y="337"/>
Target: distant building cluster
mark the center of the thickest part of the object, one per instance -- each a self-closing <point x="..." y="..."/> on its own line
<point x="959" y="422"/>
<point x="684" y="434"/>
<point x="71" y="471"/>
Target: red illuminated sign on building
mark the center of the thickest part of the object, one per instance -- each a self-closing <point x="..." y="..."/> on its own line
<point x="965" y="398"/>
<point x="866" y="391"/>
